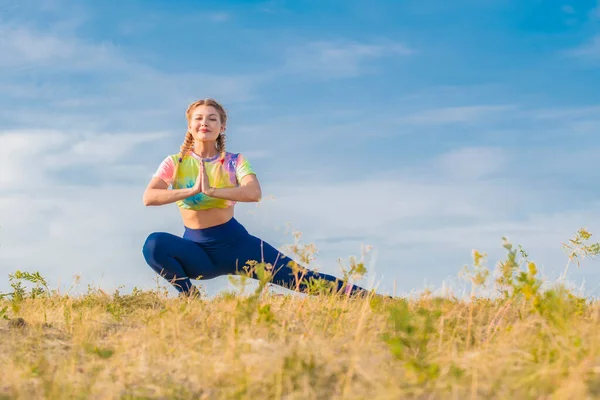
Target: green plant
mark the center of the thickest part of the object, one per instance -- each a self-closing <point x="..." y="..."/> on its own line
<point x="577" y="249"/>
<point x="409" y="337"/>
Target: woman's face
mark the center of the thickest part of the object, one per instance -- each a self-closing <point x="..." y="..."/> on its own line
<point x="205" y="123"/>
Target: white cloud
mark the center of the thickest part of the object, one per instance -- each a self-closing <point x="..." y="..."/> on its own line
<point x="22" y="45"/>
<point x="129" y="87"/>
<point x="61" y="227"/>
<point x="588" y="51"/>
<point x="472" y="162"/>
<point x="568" y="113"/>
<point x="595" y="12"/>
<point x="24" y="48"/>
<point x="219" y="16"/>
<point x="19" y="156"/>
<point x="271" y="6"/>
<point x="576" y="122"/>
<point x="93" y="231"/>
<point x="153" y="21"/>
<point x="340" y="59"/>
<point x="105" y="148"/>
<point x="26" y="157"/>
<point x="456" y="115"/>
<point x="335" y="125"/>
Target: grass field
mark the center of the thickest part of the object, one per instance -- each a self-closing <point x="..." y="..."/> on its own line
<point x="532" y="340"/>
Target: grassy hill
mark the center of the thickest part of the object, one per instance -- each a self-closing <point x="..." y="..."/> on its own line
<point x="532" y="340"/>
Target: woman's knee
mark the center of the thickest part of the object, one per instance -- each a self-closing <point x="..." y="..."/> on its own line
<point x="156" y="243"/>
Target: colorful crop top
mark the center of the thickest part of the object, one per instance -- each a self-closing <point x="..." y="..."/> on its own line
<point x="223" y="172"/>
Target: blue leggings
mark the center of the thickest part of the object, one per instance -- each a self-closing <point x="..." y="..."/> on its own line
<point x="222" y="250"/>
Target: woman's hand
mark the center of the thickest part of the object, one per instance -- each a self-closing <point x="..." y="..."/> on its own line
<point x="206" y="188"/>
<point x="202" y="184"/>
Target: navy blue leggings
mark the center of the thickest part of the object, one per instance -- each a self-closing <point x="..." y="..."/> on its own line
<point x="222" y="250"/>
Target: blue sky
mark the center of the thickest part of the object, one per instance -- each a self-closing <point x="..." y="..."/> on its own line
<point x="424" y="129"/>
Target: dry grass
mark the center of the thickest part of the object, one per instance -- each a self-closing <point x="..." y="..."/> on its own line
<point x="148" y="346"/>
<point x="527" y="343"/>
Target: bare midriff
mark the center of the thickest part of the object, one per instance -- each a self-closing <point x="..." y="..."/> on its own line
<point x="200" y="219"/>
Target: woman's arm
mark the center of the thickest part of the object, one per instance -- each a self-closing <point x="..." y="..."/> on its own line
<point x="158" y="194"/>
<point x="248" y="191"/>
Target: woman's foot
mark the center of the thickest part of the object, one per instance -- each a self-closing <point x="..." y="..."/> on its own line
<point x="192" y="293"/>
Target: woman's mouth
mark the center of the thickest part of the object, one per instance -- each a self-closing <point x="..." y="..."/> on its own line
<point x="203" y="130"/>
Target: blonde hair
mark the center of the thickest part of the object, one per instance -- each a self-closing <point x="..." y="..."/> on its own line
<point x="188" y="141"/>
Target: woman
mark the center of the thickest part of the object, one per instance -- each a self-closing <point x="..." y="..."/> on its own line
<point x="206" y="183"/>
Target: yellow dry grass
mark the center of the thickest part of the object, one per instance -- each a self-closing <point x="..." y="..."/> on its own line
<point x="528" y="342"/>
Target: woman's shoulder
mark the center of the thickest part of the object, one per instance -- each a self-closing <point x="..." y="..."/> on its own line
<point x="235" y="155"/>
<point x="170" y="157"/>
<point x="232" y="157"/>
<point x="238" y="163"/>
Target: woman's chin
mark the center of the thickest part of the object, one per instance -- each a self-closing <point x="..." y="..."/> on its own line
<point x="205" y="137"/>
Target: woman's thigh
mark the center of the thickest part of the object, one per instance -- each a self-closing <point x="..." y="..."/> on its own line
<point x="192" y="258"/>
<point x="253" y="249"/>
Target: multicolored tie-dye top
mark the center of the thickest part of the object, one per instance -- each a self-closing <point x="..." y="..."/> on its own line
<point x="223" y="172"/>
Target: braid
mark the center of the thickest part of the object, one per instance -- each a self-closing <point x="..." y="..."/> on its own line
<point x="186" y="147"/>
<point x="221" y="140"/>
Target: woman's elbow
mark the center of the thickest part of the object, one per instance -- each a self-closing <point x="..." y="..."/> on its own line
<point x="256" y="195"/>
<point x="147" y="200"/>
